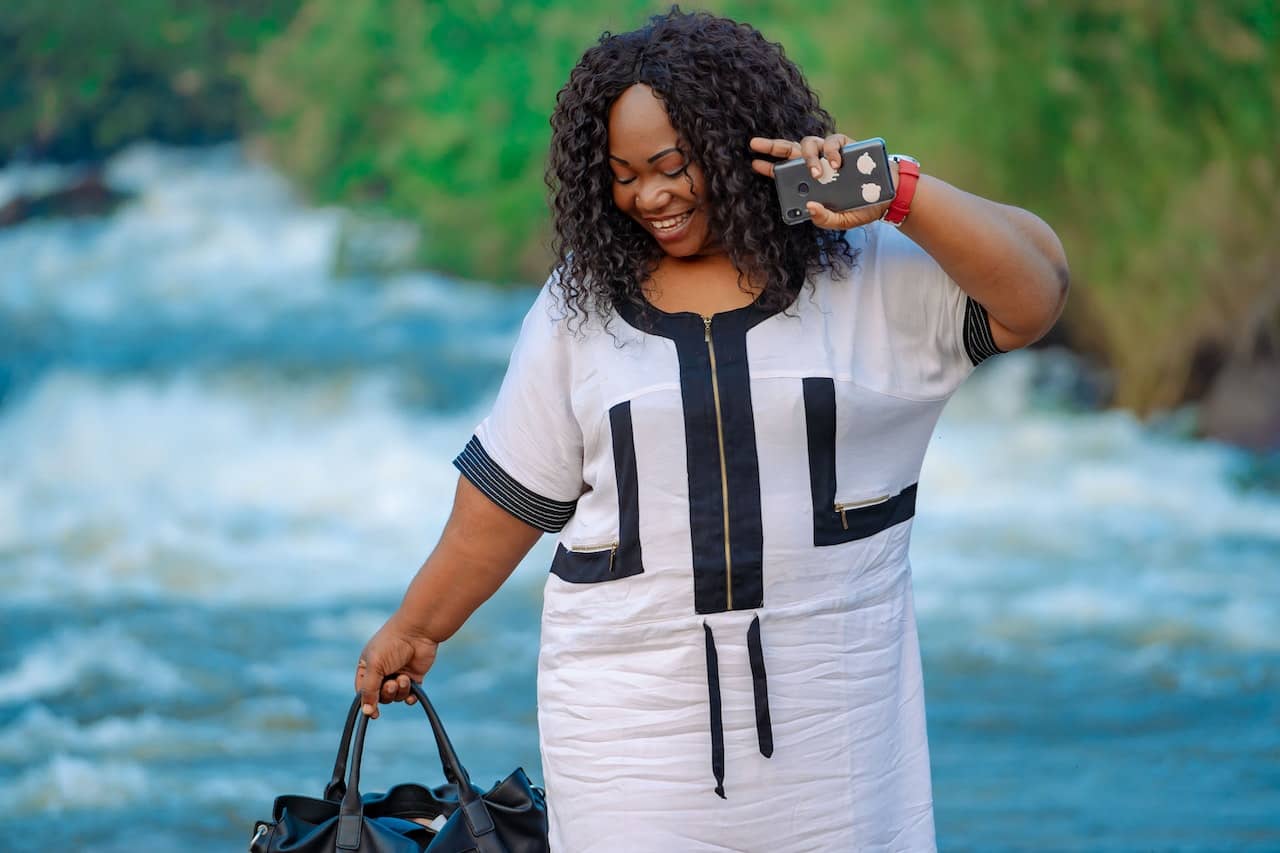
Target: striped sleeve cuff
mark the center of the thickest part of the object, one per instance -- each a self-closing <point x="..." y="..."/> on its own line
<point x="978" y="343"/>
<point x="530" y="507"/>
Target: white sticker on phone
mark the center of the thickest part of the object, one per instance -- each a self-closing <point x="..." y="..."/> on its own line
<point x="866" y="165"/>
<point x="870" y="192"/>
<point x="829" y="173"/>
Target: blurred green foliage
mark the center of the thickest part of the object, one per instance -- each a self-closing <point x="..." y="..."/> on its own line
<point x="1144" y="131"/>
<point x="433" y="110"/>
<point x="80" y="79"/>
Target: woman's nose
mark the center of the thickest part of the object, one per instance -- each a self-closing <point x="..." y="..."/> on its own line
<point x="653" y="198"/>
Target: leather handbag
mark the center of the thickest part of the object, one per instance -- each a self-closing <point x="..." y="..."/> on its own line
<point x="456" y="817"/>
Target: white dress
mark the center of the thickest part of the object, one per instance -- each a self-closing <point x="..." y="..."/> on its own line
<point x="729" y="658"/>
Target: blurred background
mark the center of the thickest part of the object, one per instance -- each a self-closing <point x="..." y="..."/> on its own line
<point x="261" y="266"/>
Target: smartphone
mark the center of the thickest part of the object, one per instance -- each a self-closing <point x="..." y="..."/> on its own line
<point x="862" y="179"/>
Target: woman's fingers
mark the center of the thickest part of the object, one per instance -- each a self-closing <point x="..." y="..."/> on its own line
<point x="762" y="167"/>
<point x="395" y="689"/>
<point x="369" y="677"/>
<point x="831" y="148"/>
<point x="810" y="150"/>
<point x="843" y="220"/>
<point x="783" y="149"/>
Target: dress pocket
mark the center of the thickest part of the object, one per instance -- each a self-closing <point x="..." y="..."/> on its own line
<point x="847" y="507"/>
<point x="858" y="518"/>
<point x="594" y="563"/>
<point x="844" y="516"/>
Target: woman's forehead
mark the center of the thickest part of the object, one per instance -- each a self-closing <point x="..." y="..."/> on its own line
<point x="639" y="125"/>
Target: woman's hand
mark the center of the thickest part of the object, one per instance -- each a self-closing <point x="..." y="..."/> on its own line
<point x="395" y="654"/>
<point x="811" y="148"/>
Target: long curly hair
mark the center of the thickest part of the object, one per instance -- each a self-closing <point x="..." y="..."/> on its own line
<point x="722" y="83"/>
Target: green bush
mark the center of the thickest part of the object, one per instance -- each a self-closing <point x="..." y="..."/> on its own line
<point x="1145" y="132"/>
<point x="434" y="111"/>
<point x="78" y="80"/>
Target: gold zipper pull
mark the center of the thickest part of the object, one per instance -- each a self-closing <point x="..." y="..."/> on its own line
<point x="596" y="549"/>
<point x="706" y="325"/>
<point x="842" y="508"/>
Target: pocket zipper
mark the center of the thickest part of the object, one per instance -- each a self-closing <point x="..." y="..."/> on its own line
<point x="848" y="505"/>
<point x="611" y="547"/>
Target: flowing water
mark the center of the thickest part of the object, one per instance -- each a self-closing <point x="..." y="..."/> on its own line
<point x="219" y="466"/>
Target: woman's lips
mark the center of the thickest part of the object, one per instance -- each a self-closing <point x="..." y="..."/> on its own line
<point x="676" y="226"/>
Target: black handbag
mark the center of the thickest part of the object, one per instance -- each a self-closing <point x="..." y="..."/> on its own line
<point x="510" y="818"/>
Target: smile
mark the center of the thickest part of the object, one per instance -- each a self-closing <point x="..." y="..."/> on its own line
<point x="668" y="225"/>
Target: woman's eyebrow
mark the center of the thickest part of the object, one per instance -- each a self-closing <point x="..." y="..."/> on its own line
<point x="664" y="152"/>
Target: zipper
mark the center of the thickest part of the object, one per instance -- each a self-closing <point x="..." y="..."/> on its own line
<point x="611" y="547"/>
<point x="848" y="505"/>
<point x="724" y="475"/>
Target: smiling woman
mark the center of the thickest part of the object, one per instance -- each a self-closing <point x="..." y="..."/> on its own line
<point x="664" y="191"/>
<point x="723" y="417"/>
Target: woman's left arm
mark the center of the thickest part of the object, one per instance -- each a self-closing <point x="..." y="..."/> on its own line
<point x="1006" y="258"/>
<point x="1009" y="260"/>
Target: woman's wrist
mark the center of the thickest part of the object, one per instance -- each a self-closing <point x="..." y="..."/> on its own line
<point x="906" y="176"/>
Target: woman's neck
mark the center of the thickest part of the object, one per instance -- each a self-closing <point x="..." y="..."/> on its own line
<point x="704" y="285"/>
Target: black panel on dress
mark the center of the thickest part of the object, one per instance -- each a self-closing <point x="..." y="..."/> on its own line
<point x="740" y="586"/>
<point x="830" y="526"/>
<point x="623" y="559"/>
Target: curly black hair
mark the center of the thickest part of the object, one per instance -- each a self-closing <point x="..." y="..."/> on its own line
<point x="722" y="83"/>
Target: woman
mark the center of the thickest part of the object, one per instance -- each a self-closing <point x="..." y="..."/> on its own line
<point x="723" y="417"/>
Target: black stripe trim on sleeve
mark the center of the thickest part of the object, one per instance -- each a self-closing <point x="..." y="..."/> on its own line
<point x="978" y="343"/>
<point x="507" y="492"/>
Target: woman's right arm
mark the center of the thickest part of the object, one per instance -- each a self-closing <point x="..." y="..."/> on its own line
<point x="479" y="549"/>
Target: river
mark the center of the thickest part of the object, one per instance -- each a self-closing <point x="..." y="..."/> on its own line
<point x="219" y="466"/>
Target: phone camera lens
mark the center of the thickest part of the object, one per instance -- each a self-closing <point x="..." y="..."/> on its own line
<point x="803" y="187"/>
<point x="794" y="213"/>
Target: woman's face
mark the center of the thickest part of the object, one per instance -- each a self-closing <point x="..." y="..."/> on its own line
<point x="654" y="180"/>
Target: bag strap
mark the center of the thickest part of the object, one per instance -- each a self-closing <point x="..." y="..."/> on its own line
<point x="453" y="770"/>
<point x="351" y="811"/>
<point x="337" y="786"/>
<point x="473" y="808"/>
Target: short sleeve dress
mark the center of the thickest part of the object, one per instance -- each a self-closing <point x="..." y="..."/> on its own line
<point x="728" y="658"/>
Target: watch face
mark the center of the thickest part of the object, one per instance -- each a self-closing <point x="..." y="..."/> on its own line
<point x="907" y="157"/>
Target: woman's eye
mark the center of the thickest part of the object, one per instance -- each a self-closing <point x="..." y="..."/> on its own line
<point x="678" y="172"/>
<point x="623" y="180"/>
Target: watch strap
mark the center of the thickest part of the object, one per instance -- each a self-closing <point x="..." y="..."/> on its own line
<point x="908" y="177"/>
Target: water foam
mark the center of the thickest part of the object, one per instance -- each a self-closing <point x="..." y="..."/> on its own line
<point x="219" y="493"/>
<point x="1147" y="533"/>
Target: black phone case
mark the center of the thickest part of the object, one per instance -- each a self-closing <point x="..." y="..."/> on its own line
<point x="862" y="179"/>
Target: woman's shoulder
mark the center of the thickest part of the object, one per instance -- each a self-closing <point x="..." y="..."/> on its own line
<point x="563" y="313"/>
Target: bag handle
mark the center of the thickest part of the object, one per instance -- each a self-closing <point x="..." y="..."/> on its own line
<point x="337" y="786"/>
<point x="351" y="811"/>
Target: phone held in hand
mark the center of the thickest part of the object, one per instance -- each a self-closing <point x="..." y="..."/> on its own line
<point x="862" y="179"/>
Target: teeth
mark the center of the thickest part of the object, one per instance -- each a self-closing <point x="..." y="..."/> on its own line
<point x="669" y="224"/>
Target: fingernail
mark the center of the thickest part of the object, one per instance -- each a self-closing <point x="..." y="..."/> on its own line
<point x="817" y="173"/>
<point x="367" y="708"/>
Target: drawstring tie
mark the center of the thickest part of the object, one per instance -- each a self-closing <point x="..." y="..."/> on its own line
<point x="760" y="689"/>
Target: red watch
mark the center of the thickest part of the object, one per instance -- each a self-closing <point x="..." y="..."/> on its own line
<point x="908" y="176"/>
